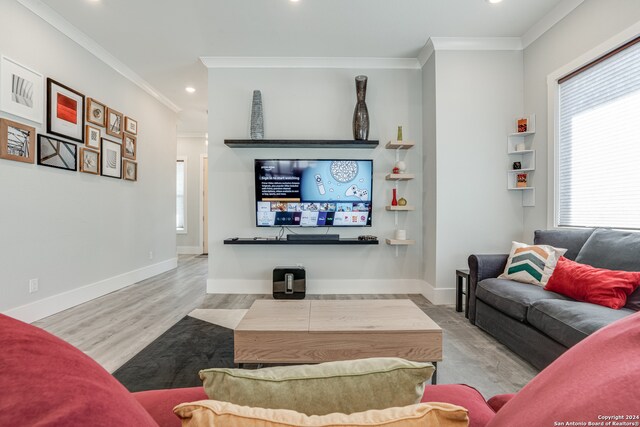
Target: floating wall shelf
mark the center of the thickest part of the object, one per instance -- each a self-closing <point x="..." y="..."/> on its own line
<point x="299" y="143"/>
<point x="402" y="145"/>
<point x="262" y="241"/>
<point x="399" y="176"/>
<point x="400" y="208"/>
<point x="394" y="242"/>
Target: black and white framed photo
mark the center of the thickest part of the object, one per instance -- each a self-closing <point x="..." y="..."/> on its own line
<point x="111" y="159"/>
<point x="130" y="126"/>
<point x="130" y="170"/>
<point x="89" y="161"/>
<point x="65" y="111"/>
<point x="96" y="112"/>
<point x="114" y="123"/>
<point x="21" y="90"/>
<point x="92" y="137"/>
<point x="55" y="153"/>
<point x="17" y="141"/>
<point x="129" y="146"/>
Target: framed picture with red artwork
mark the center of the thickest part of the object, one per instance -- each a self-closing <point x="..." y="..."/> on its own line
<point x="65" y="111"/>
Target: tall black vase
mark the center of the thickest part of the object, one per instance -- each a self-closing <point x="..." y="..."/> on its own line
<point x="361" y="113"/>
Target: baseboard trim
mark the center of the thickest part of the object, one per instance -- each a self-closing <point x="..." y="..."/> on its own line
<point x="189" y="250"/>
<point x="339" y="286"/>
<point x="56" y="303"/>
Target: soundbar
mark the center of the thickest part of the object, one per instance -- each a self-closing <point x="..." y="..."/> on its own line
<point x="299" y="237"/>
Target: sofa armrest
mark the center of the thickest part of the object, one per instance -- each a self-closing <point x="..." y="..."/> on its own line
<point x="160" y="403"/>
<point x="482" y="267"/>
<point x="499" y="400"/>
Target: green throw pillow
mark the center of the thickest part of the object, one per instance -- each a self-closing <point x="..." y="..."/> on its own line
<point x="346" y="387"/>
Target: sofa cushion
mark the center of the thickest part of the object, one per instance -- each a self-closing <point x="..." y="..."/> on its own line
<point x="160" y="403"/>
<point x="633" y="300"/>
<point x="345" y="386"/>
<point x="45" y="381"/>
<point x="582" y="282"/>
<point x="212" y="413"/>
<point x="570" y="239"/>
<point x="597" y="377"/>
<point x="569" y="322"/>
<point x="480" y="412"/>
<point x="531" y="263"/>
<point x="612" y="249"/>
<point x="512" y="298"/>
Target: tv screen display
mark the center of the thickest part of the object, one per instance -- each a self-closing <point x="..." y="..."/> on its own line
<point x="313" y="193"/>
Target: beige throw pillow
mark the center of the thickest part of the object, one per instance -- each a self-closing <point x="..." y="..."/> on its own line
<point x="346" y="386"/>
<point x="531" y="263"/>
<point x="209" y="413"/>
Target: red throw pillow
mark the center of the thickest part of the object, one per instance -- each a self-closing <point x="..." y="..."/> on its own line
<point x="582" y="282"/>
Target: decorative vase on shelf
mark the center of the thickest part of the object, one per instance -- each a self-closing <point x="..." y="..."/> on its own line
<point x="257" y="119"/>
<point x="402" y="166"/>
<point x="361" y="113"/>
<point x="394" y="201"/>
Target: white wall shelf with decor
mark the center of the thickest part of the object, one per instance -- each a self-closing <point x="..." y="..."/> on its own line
<point x="519" y="149"/>
<point x="396" y="177"/>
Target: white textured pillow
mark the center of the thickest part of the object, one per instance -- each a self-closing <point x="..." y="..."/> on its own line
<point x="531" y="263"/>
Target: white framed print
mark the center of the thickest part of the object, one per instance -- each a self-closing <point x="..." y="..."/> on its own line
<point x="21" y="90"/>
<point x="111" y="159"/>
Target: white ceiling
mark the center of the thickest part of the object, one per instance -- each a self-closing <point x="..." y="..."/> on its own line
<point x="162" y="40"/>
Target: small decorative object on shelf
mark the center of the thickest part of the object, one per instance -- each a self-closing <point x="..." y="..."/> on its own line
<point x="517" y="166"/>
<point x="402" y="166"/>
<point x="257" y="118"/>
<point x="402" y="201"/>
<point x="361" y="113"/>
<point x="399" y="133"/>
<point x="395" y="170"/>
<point x="520" y="146"/>
<point x="522" y="125"/>
<point x="522" y="180"/>
<point x="401" y="235"/>
<point x="394" y="201"/>
<point x="367" y="237"/>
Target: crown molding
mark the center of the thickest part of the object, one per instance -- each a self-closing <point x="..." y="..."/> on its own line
<point x="65" y="27"/>
<point x="425" y="53"/>
<point x="476" y="43"/>
<point x="309" y="62"/>
<point x="558" y="13"/>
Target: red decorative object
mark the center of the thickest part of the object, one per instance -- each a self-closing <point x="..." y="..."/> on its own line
<point x="395" y="170"/>
<point x="394" y="201"/>
<point x="582" y="282"/>
<point x="522" y="125"/>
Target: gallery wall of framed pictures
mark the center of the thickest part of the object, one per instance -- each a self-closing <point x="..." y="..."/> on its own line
<point x="82" y="133"/>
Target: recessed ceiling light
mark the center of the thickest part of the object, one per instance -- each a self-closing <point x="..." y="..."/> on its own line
<point x="294" y="1"/>
<point x="190" y="89"/>
<point x="494" y="1"/>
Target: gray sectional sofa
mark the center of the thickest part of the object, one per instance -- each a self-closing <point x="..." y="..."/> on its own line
<point x="540" y="325"/>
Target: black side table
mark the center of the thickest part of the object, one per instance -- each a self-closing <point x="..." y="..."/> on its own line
<point x="461" y="290"/>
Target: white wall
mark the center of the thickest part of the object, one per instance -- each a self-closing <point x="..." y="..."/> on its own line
<point x="82" y="235"/>
<point x="192" y="149"/>
<point x="478" y="95"/>
<point x="591" y="23"/>
<point x="312" y="104"/>
<point x="430" y="202"/>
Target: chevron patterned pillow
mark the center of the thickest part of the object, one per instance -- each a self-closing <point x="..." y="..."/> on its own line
<point x="531" y="263"/>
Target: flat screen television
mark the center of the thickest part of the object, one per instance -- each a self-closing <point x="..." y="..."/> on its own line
<point x="313" y="193"/>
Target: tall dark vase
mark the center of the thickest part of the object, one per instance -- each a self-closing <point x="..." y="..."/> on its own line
<point x="361" y="113"/>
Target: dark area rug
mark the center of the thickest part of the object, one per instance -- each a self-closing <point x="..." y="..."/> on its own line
<point x="174" y="358"/>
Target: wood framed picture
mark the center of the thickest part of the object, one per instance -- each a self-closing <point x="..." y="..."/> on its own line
<point x="96" y="112"/>
<point x="65" y="111"/>
<point x="130" y="126"/>
<point x="111" y="159"/>
<point x="130" y="170"/>
<point x="92" y="137"/>
<point x="114" y="123"/>
<point x="21" y="90"/>
<point x="129" y="146"/>
<point x="89" y="161"/>
<point x="17" y="141"/>
<point x="55" y="153"/>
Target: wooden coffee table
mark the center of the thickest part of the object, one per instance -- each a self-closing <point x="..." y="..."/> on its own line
<point x="328" y="330"/>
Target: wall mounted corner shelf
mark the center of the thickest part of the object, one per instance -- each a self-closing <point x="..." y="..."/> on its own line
<point x="300" y="143"/>
<point x="402" y="145"/>
<point x="395" y="242"/>
<point x="400" y="208"/>
<point x="399" y="176"/>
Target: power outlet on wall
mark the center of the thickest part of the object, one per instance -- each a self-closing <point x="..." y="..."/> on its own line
<point x="150" y="254"/>
<point x="33" y="286"/>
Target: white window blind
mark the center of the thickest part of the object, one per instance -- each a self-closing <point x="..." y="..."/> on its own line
<point x="180" y="195"/>
<point x="599" y="144"/>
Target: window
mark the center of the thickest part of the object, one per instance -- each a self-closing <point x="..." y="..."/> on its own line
<point x="181" y="195"/>
<point x="598" y="155"/>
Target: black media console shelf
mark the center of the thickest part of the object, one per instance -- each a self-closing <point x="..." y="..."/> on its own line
<point x="251" y="241"/>
<point x="299" y="143"/>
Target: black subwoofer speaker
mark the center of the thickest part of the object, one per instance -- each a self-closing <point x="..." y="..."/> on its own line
<point x="289" y="283"/>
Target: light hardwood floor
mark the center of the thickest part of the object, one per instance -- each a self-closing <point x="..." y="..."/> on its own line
<point x="113" y="328"/>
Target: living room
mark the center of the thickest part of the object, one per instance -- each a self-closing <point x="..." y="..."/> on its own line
<point x="100" y="263"/>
